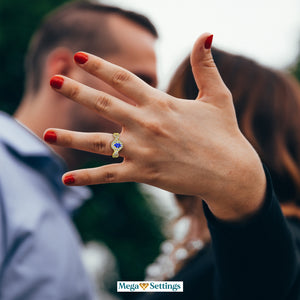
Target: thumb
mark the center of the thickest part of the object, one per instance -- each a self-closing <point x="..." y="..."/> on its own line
<point x="206" y="74"/>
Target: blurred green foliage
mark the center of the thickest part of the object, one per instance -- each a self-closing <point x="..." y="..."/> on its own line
<point x="118" y="214"/>
<point x="296" y="69"/>
<point x="18" y="21"/>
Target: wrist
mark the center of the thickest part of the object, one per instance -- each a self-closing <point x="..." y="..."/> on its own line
<point x="243" y="190"/>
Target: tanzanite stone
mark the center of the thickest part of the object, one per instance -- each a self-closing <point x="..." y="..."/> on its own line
<point x="118" y="145"/>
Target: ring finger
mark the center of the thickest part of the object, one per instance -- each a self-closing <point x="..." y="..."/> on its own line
<point x="99" y="143"/>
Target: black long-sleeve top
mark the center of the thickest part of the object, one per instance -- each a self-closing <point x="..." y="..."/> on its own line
<point x="257" y="259"/>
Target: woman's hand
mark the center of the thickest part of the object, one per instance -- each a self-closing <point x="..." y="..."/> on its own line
<point x="185" y="147"/>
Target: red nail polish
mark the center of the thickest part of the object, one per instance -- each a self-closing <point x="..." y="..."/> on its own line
<point x="80" y="58"/>
<point x="56" y="82"/>
<point x="50" y="136"/>
<point x="69" y="179"/>
<point x="208" y="42"/>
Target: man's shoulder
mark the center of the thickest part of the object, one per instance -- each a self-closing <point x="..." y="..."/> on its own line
<point x="26" y="195"/>
<point x="5" y="154"/>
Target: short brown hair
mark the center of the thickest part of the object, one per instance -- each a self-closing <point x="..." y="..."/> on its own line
<point x="73" y="26"/>
<point x="267" y="104"/>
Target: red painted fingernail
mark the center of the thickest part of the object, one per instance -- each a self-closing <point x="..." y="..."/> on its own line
<point x="69" y="179"/>
<point x="50" y="137"/>
<point x="80" y="58"/>
<point x="56" y="82"/>
<point x="208" y="42"/>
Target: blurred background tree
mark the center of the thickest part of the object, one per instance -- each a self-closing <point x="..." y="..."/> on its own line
<point x="18" y="21"/>
<point x="119" y="214"/>
<point x="296" y="68"/>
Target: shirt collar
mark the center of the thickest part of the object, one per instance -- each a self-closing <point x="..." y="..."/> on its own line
<point x="32" y="150"/>
<point x="22" y="140"/>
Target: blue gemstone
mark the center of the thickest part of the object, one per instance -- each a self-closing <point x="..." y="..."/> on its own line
<point x="118" y="145"/>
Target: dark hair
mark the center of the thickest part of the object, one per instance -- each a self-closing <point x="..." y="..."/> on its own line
<point x="79" y="25"/>
<point x="267" y="104"/>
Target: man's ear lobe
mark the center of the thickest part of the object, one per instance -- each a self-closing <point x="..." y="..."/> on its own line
<point x="60" y="61"/>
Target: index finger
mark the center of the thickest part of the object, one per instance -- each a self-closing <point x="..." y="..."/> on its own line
<point x="117" y="77"/>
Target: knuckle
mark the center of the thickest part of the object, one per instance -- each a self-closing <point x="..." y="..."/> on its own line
<point x="152" y="175"/>
<point x="225" y="93"/>
<point x="99" y="146"/>
<point x="68" y="140"/>
<point x="119" y="78"/>
<point x="86" y="178"/>
<point x="163" y="105"/>
<point x="94" y="66"/>
<point x="74" y="92"/>
<point x="109" y="177"/>
<point x="208" y="62"/>
<point x="171" y="105"/>
<point x="155" y="128"/>
<point x="102" y="103"/>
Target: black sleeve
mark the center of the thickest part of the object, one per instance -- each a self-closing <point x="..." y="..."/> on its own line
<point x="255" y="259"/>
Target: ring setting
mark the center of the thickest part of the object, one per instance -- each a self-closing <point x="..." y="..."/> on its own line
<point x="116" y="145"/>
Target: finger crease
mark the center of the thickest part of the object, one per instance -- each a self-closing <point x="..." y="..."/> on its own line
<point x="99" y="146"/>
<point x="109" y="177"/>
<point x="102" y="103"/>
<point x="119" y="78"/>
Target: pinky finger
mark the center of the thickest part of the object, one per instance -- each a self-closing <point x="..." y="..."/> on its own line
<point x="112" y="173"/>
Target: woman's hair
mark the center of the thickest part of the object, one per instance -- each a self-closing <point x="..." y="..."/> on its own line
<point x="267" y="105"/>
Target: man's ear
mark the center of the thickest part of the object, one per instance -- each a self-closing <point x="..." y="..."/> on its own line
<point x="59" y="61"/>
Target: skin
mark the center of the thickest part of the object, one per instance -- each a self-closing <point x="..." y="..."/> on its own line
<point x="185" y="147"/>
<point x="136" y="52"/>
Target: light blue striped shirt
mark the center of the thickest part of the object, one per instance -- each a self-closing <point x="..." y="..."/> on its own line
<point x="40" y="251"/>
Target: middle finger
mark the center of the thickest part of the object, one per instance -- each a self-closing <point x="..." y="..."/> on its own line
<point x="117" y="77"/>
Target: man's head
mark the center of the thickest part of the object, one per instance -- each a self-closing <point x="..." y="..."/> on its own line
<point x="79" y="25"/>
<point x="122" y="37"/>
